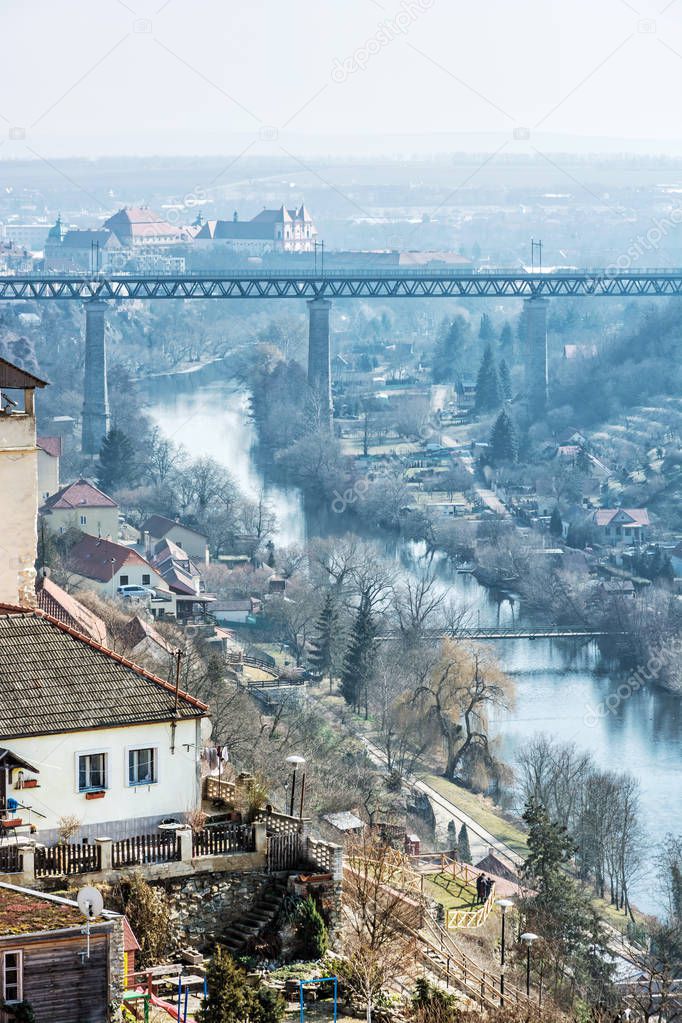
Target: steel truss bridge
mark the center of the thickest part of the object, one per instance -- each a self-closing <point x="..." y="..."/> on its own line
<point x="441" y="283"/>
<point x="514" y="632"/>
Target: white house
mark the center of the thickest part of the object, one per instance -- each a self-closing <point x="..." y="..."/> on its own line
<point x="85" y="733"/>
<point x="81" y="505"/>
<point x="104" y="566"/>
<point x="158" y="527"/>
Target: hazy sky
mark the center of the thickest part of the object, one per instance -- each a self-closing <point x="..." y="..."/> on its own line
<point x="87" y="77"/>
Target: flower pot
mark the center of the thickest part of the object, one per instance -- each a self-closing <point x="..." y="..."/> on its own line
<point x="31" y="783"/>
<point x="12" y="822"/>
<point x="95" y="795"/>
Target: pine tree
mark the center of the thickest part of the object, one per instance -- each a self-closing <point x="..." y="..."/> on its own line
<point x="489" y="395"/>
<point x="230" y="997"/>
<point x="463" y="847"/>
<point x="447" y="353"/>
<point x="556" y="526"/>
<point x="359" y="660"/>
<point x="507" y="338"/>
<point x="115" y="467"/>
<point x="312" y="932"/>
<point x="485" y="328"/>
<point x="322" y="644"/>
<point x="504" y="443"/>
<point x="505" y="380"/>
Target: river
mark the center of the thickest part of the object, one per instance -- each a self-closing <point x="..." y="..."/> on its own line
<point x="561" y="686"/>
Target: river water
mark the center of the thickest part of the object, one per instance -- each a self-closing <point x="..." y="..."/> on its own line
<point x="561" y="686"/>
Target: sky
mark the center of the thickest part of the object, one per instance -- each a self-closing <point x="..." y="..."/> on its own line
<point x="143" y="77"/>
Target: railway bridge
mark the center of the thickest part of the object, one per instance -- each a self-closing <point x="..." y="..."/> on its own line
<point x="318" y="290"/>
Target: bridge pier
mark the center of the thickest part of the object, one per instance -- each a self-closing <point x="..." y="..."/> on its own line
<point x="319" y="358"/>
<point x="95" y="424"/>
<point x="535" y="317"/>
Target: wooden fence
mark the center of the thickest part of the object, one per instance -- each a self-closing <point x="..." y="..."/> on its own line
<point x="285" y="852"/>
<point x="10" y="859"/>
<point x="227" y="838"/>
<point x="67" y="859"/>
<point x="160" y="848"/>
<point x="455" y="918"/>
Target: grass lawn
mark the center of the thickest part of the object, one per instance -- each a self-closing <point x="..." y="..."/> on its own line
<point x="481" y="810"/>
<point x="449" y="891"/>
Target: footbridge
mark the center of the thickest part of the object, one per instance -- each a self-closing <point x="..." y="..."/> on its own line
<point x="318" y="289"/>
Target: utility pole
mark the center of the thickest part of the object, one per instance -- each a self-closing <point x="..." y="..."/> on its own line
<point x="533" y="246"/>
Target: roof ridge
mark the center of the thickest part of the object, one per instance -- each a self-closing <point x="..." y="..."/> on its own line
<point x="125" y="661"/>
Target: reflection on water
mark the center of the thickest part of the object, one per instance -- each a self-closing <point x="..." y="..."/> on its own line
<point x="561" y="686"/>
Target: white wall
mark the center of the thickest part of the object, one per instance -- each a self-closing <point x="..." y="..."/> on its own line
<point x="123" y="810"/>
<point x="134" y="575"/>
<point x="98" y="521"/>
<point x="18" y="508"/>
<point x="48" y="474"/>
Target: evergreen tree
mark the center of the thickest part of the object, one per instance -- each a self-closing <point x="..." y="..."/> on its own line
<point x="559" y="909"/>
<point x="359" y="660"/>
<point x="231" y="999"/>
<point x="485" y="329"/>
<point x="463" y="847"/>
<point x="507" y="338"/>
<point x="115" y="467"/>
<point x="312" y="932"/>
<point x="505" y="380"/>
<point x="489" y="394"/>
<point x="582" y="462"/>
<point x="556" y="526"/>
<point x="504" y="443"/>
<point x="322" y="644"/>
<point x="448" y="350"/>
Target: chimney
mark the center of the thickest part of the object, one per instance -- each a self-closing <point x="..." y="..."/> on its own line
<point x="147" y="544"/>
<point x="18" y="485"/>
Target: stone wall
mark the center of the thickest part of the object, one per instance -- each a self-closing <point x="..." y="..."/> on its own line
<point x="203" y="906"/>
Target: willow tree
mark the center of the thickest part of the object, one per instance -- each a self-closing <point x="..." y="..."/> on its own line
<point x="457" y="697"/>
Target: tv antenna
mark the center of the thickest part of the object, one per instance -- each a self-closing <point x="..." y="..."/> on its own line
<point x="91" y="904"/>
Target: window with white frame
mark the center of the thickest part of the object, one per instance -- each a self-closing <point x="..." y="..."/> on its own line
<point x="84" y="520"/>
<point x="92" y="771"/>
<point x="142" y="766"/>
<point x="12" y="976"/>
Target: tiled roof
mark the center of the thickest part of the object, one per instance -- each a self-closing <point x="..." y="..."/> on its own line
<point x="51" y="445"/>
<point x="99" y="559"/>
<point x="66" y="609"/>
<point x="637" y="516"/>
<point x="137" y="630"/>
<point x="80" y="494"/>
<point x="53" y="680"/>
<point x="159" y="525"/>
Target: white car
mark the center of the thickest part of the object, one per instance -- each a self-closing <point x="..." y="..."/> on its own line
<point x="135" y="592"/>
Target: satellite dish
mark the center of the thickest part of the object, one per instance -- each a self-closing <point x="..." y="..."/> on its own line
<point x="90" y="902"/>
<point x="206" y="728"/>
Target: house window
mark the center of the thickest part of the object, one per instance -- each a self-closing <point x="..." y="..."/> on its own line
<point x="146" y="579"/>
<point x="141" y="766"/>
<point x="84" y="520"/>
<point x="12" y="977"/>
<point x="123" y="580"/>
<point x="92" y="771"/>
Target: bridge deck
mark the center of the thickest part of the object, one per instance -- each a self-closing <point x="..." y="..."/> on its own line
<point x="308" y="284"/>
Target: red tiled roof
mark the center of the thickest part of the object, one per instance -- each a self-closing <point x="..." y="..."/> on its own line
<point x="158" y="525"/>
<point x="136" y="630"/>
<point x="54" y="679"/>
<point x="66" y="609"/>
<point x="51" y="445"/>
<point x="80" y="494"/>
<point x="637" y="516"/>
<point x="95" y="558"/>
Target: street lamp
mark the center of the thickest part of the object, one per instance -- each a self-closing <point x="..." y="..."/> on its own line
<point x="296" y="762"/>
<point x="504" y="905"/>
<point x="528" y="938"/>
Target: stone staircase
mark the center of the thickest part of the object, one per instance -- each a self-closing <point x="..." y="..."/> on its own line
<point x="251" y="924"/>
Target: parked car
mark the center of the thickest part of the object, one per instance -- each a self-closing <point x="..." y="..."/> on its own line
<point x="131" y="592"/>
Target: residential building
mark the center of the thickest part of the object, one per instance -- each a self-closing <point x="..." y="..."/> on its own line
<point x="49" y="455"/>
<point x="66" y="609"/>
<point x="158" y="527"/>
<point x="43" y="958"/>
<point x="81" y="505"/>
<point x="143" y="642"/>
<point x="27" y="236"/>
<point x="280" y="230"/>
<point x="81" y="249"/>
<point x="103" y="565"/>
<point x="18" y="482"/>
<point x="237" y="612"/>
<point x="138" y="227"/>
<point x="622" y="525"/>
<point x="98" y="737"/>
